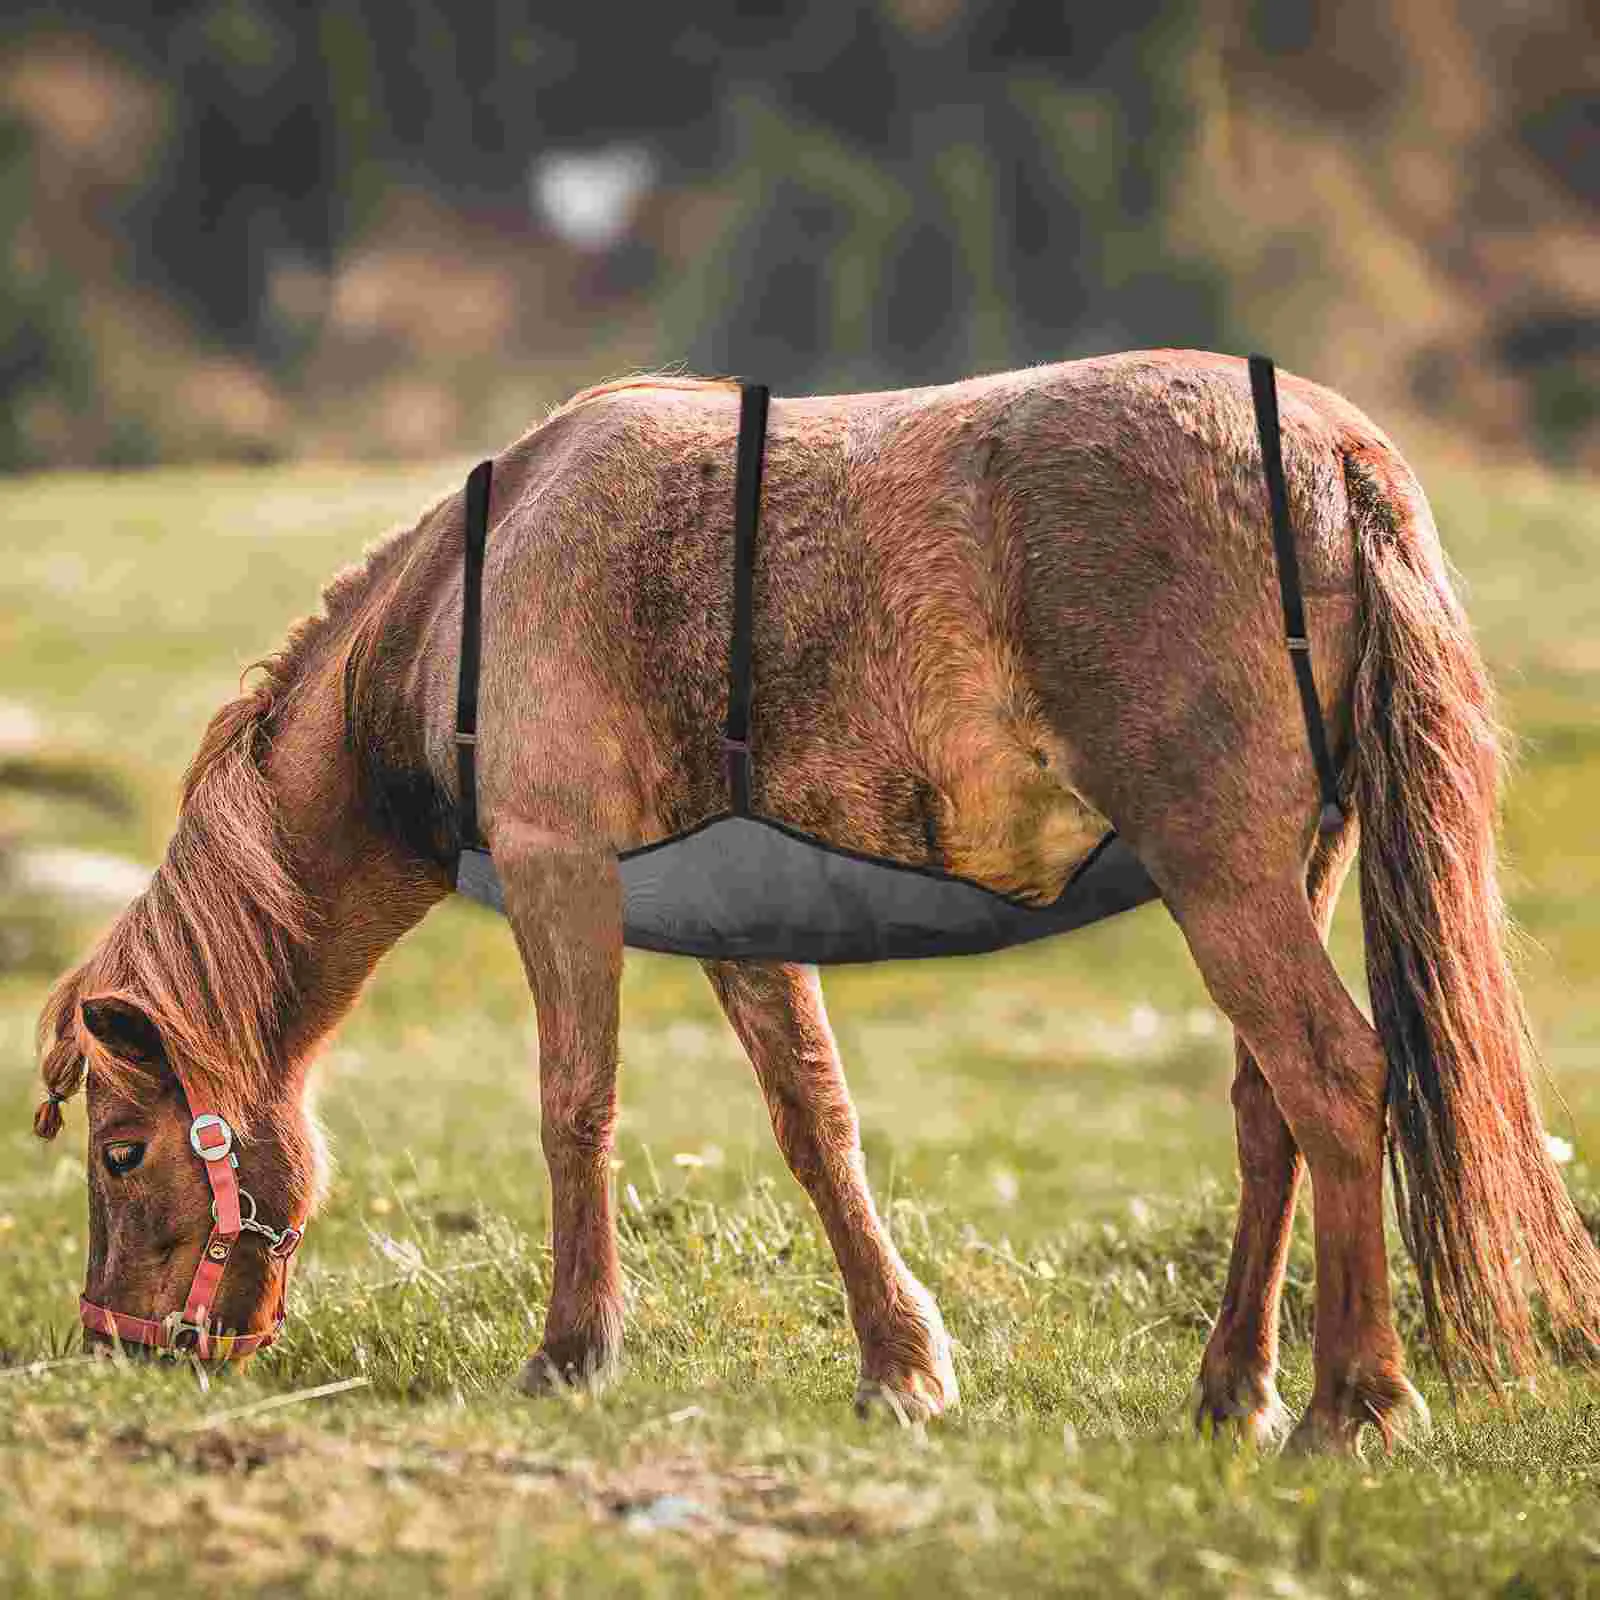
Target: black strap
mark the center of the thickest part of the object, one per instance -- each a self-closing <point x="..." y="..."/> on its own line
<point x="753" y="399"/>
<point x="477" y="536"/>
<point x="1264" y="389"/>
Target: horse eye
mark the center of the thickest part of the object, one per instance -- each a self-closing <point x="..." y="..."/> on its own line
<point x="121" y="1159"/>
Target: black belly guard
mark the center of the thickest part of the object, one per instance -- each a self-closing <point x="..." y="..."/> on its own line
<point x="750" y="888"/>
<point x="741" y="886"/>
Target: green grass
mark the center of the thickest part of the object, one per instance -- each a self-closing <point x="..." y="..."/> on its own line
<point x="1049" y="1131"/>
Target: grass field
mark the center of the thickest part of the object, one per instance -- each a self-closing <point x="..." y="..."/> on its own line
<point x="1049" y="1131"/>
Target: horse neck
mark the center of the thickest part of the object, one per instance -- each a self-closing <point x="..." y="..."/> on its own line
<point x="366" y="887"/>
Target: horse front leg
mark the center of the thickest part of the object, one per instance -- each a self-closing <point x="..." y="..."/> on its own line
<point x="777" y="1011"/>
<point x="564" y="901"/>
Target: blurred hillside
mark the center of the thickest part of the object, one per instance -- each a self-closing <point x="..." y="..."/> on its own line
<point x="248" y="228"/>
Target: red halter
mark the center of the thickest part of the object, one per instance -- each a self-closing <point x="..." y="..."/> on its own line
<point x="233" y="1212"/>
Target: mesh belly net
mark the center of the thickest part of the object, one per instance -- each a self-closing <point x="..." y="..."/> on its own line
<point x="739" y="885"/>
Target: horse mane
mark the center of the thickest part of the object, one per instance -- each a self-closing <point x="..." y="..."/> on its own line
<point x="212" y="948"/>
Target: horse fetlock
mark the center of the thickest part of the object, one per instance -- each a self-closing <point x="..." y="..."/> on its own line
<point x="906" y="1365"/>
<point x="1384" y="1399"/>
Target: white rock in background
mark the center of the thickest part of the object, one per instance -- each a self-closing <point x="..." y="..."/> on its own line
<point x="589" y="197"/>
<point x="19" y="727"/>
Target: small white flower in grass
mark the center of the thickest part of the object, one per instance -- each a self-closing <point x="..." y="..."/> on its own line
<point x="1144" y="1022"/>
<point x="1201" y="1023"/>
<point x="1560" y="1149"/>
<point x="1006" y="1187"/>
<point x="404" y="1253"/>
<point x="707" y="1156"/>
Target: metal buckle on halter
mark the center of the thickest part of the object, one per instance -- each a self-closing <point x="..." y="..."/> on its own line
<point x="210" y="1149"/>
<point x="287" y="1243"/>
<point x="182" y="1338"/>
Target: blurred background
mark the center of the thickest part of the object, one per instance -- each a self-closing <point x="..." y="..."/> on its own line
<point x="254" y="229"/>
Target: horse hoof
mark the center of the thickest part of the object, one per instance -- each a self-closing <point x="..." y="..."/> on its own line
<point x="540" y="1377"/>
<point x="1253" y="1414"/>
<point x="1316" y="1436"/>
<point x="911" y="1399"/>
<point x="543" y="1375"/>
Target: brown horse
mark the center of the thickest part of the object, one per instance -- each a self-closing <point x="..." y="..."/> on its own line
<point x="994" y="619"/>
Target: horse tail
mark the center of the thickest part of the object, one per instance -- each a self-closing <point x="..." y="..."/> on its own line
<point x="1481" y="1203"/>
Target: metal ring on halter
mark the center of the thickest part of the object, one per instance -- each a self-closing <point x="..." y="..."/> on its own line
<point x="249" y="1222"/>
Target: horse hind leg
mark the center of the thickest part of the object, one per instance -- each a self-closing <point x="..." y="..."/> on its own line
<point x="1236" y="1389"/>
<point x="1262" y="959"/>
<point x="777" y="1012"/>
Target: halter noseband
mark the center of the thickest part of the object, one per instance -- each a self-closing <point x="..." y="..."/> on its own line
<point x="233" y="1212"/>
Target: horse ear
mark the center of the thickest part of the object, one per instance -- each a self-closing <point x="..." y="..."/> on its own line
<point x="124" y="1030"/>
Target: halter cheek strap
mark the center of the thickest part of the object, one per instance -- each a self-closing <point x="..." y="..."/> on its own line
<point x="233" y="1213"/>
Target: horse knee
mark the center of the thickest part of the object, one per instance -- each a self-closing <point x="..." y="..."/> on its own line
<point x="581" y="1126"/>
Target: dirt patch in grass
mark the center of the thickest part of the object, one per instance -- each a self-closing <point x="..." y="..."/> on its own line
<point x="304" y="1506"/>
